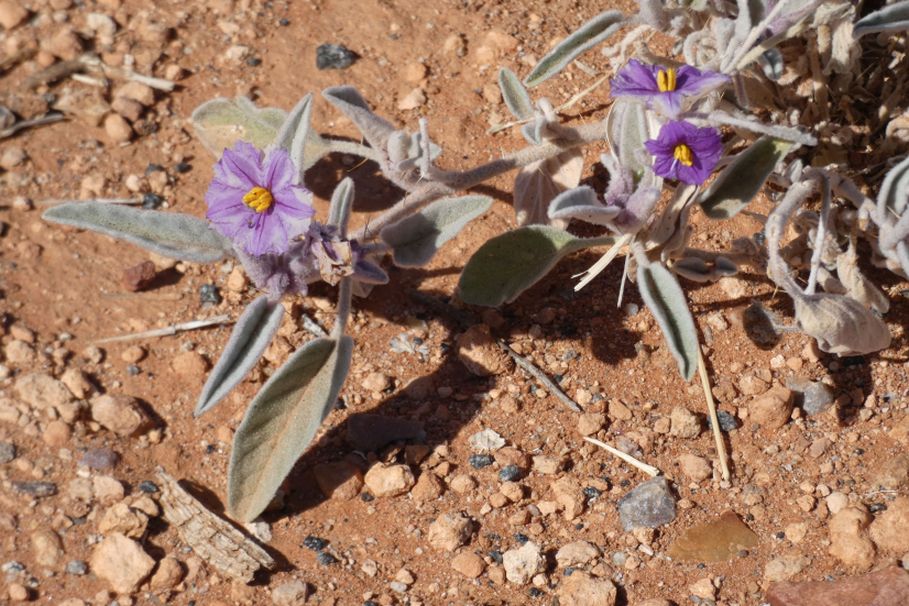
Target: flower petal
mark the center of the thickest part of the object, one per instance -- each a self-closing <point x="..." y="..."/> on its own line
<point x="635" y="79"/>
<point x="694" y="83"/>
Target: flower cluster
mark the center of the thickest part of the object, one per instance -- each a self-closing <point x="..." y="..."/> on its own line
<point x="257" y="201"/>
<point x="681" y="151"/>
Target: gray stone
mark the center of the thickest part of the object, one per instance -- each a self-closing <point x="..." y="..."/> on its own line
<point x="36" y="489"/>
<point x="291" y="593"/>
<point x="7" y="452"/>
<point x="813" y="396"/>
<point x="650" y="505"/>
<point x="76" y="567"/>
<point x="334" y="56"/>
<point x="99" y="458"/>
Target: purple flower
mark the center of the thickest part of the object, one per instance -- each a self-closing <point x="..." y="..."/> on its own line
<point x="684" y="152"/>
<point x="664" y="87"/>
<point x="255" y="201"/>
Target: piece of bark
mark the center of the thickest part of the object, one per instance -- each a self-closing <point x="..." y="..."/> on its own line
<point x="213" y="539"/>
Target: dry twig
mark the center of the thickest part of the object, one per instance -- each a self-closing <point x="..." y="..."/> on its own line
<point x="168" y="330"/>
<point x="24" y="124"/>
<point x="540" y="376"/>
<point x="714" y="420"/>
<point x="648" y="469"/>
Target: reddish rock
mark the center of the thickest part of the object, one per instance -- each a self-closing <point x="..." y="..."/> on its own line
<point x="889" y="587"/>
<point x="139" y="277"/>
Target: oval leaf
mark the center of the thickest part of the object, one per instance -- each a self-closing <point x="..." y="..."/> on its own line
<point x="585" y="37"/>
<point x="173" y="235"/>
<point x="666" y="301"/>
<point x="888" y="19"/>
<point x="348" y="101"/>
<point x="297" y="137"/>
<point x="743" y="178"/>
<point x="627" y="128"/>
<point x="281" y="422"/>
<point x="841" y="325"/>
<point x="507" y="265"/>
<point x="415" y="239"/>
<point x="515" y="95"/>
<point x="220" y="123"/>
<point x="581" y="203"/>
<point x="252" y="333"/>
<point x="538" y="183"/>
<point x="341" y="203"/>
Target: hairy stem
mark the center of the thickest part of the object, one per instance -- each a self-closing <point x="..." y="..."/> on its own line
<point x="345" y="294"/>
<point x="455" y="181"/>
<point x="352" y="147"/>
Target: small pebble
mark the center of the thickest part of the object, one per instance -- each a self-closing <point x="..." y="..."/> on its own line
<point x="183" y="167"/>
<point x="728" y="421"/>
<point x="326" y="559"/>
<point x="479" y="461"/>
<point x="99" y="458"/>
<point x="521" y="538"/>
<point x="36" y="489"/>
<point x="148" y="487"/>
<point x="209" y="293"/>
<point x="151" y="201"/>
<point x="314" y="543"/>
<point x="509" y="473"/>
<point x="334" y="56"/>
<point x="7" y="452"/>
<point x="76" y="567"/>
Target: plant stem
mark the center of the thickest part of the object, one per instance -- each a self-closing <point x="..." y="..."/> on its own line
<point x="345" y="294"/>
<point x="455" y="181"/>
<point x="352" y="147"/>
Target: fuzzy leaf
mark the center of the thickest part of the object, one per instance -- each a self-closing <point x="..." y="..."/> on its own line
<point x="252" y="333"/>
<point x="857" y="285"/>
<point x="297" y="137"/>
<point x="627" y="128"/>
<point x="220" y="123"/>
<point x="585" y="37"/>
<point x="515" y="95"/>
<point x="281" y="422"/>
<point x="841" y="325"/>
<point x="341" y="203"/>
<point x="415" y="239"/>
<point x="348" y="100"/>
<point x="893" y="197"/>
<point x="666" y="301"/>
<point x="173" y="235"/>
<point x="743" y="178"/>
<point x="538" y="183"/>
<point x="888" y="19"/>
<point x="581" y="203"/>
<point x="509" y="264"/>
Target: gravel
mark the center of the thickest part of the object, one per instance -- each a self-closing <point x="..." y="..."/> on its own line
<point x="334" y="56"/>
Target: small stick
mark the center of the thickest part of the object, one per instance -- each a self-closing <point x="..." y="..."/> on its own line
<point x="540" y="376"/>
<point x="312" y="326"/>
<point x="55" y="72"/>
<point x="168" y="330"/>
<point x="15" y="128"/>
<point x="650" y="470"/>
<point x="94" y="64"/>
<point x="714" y="420"/>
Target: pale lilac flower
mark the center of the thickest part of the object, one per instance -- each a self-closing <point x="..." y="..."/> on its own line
<point x="255" y="202"/>
<point x="665" y="88"/>
<point x="684" y="152"/>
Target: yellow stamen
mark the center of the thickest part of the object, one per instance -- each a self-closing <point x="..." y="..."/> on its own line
<point x="259" y="199"/>
<point x="666" y="80"/>
<point x="682" y="153"/>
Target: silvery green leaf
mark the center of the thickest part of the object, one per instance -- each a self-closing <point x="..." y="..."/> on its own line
<point x="857" y="285"/>
<point x="515" y="95"/>
<point x="893" y="196"/>
<point x="582" y="203"/>
<point x="841" y="325"/>
<point x="533" y="130"/>
<point x="416" y="238"/>
<point x="894" y="17"/>
<point x="251" y="335"/>
<point x="509" y="264"/>
<point x="341" y="203"/>
<point x="173" y="235"/>
<point x="538" y="183"/>
<point x="220" y="123"/>
<point x="666" y="301"/>
<point x="297" y="137"/>
<point x="627" y="128"/>
<point x="585" y="37"/>
<point x="281" y="421"/>
<point x="347" y="99"/>
<point x="743" y="178"/>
